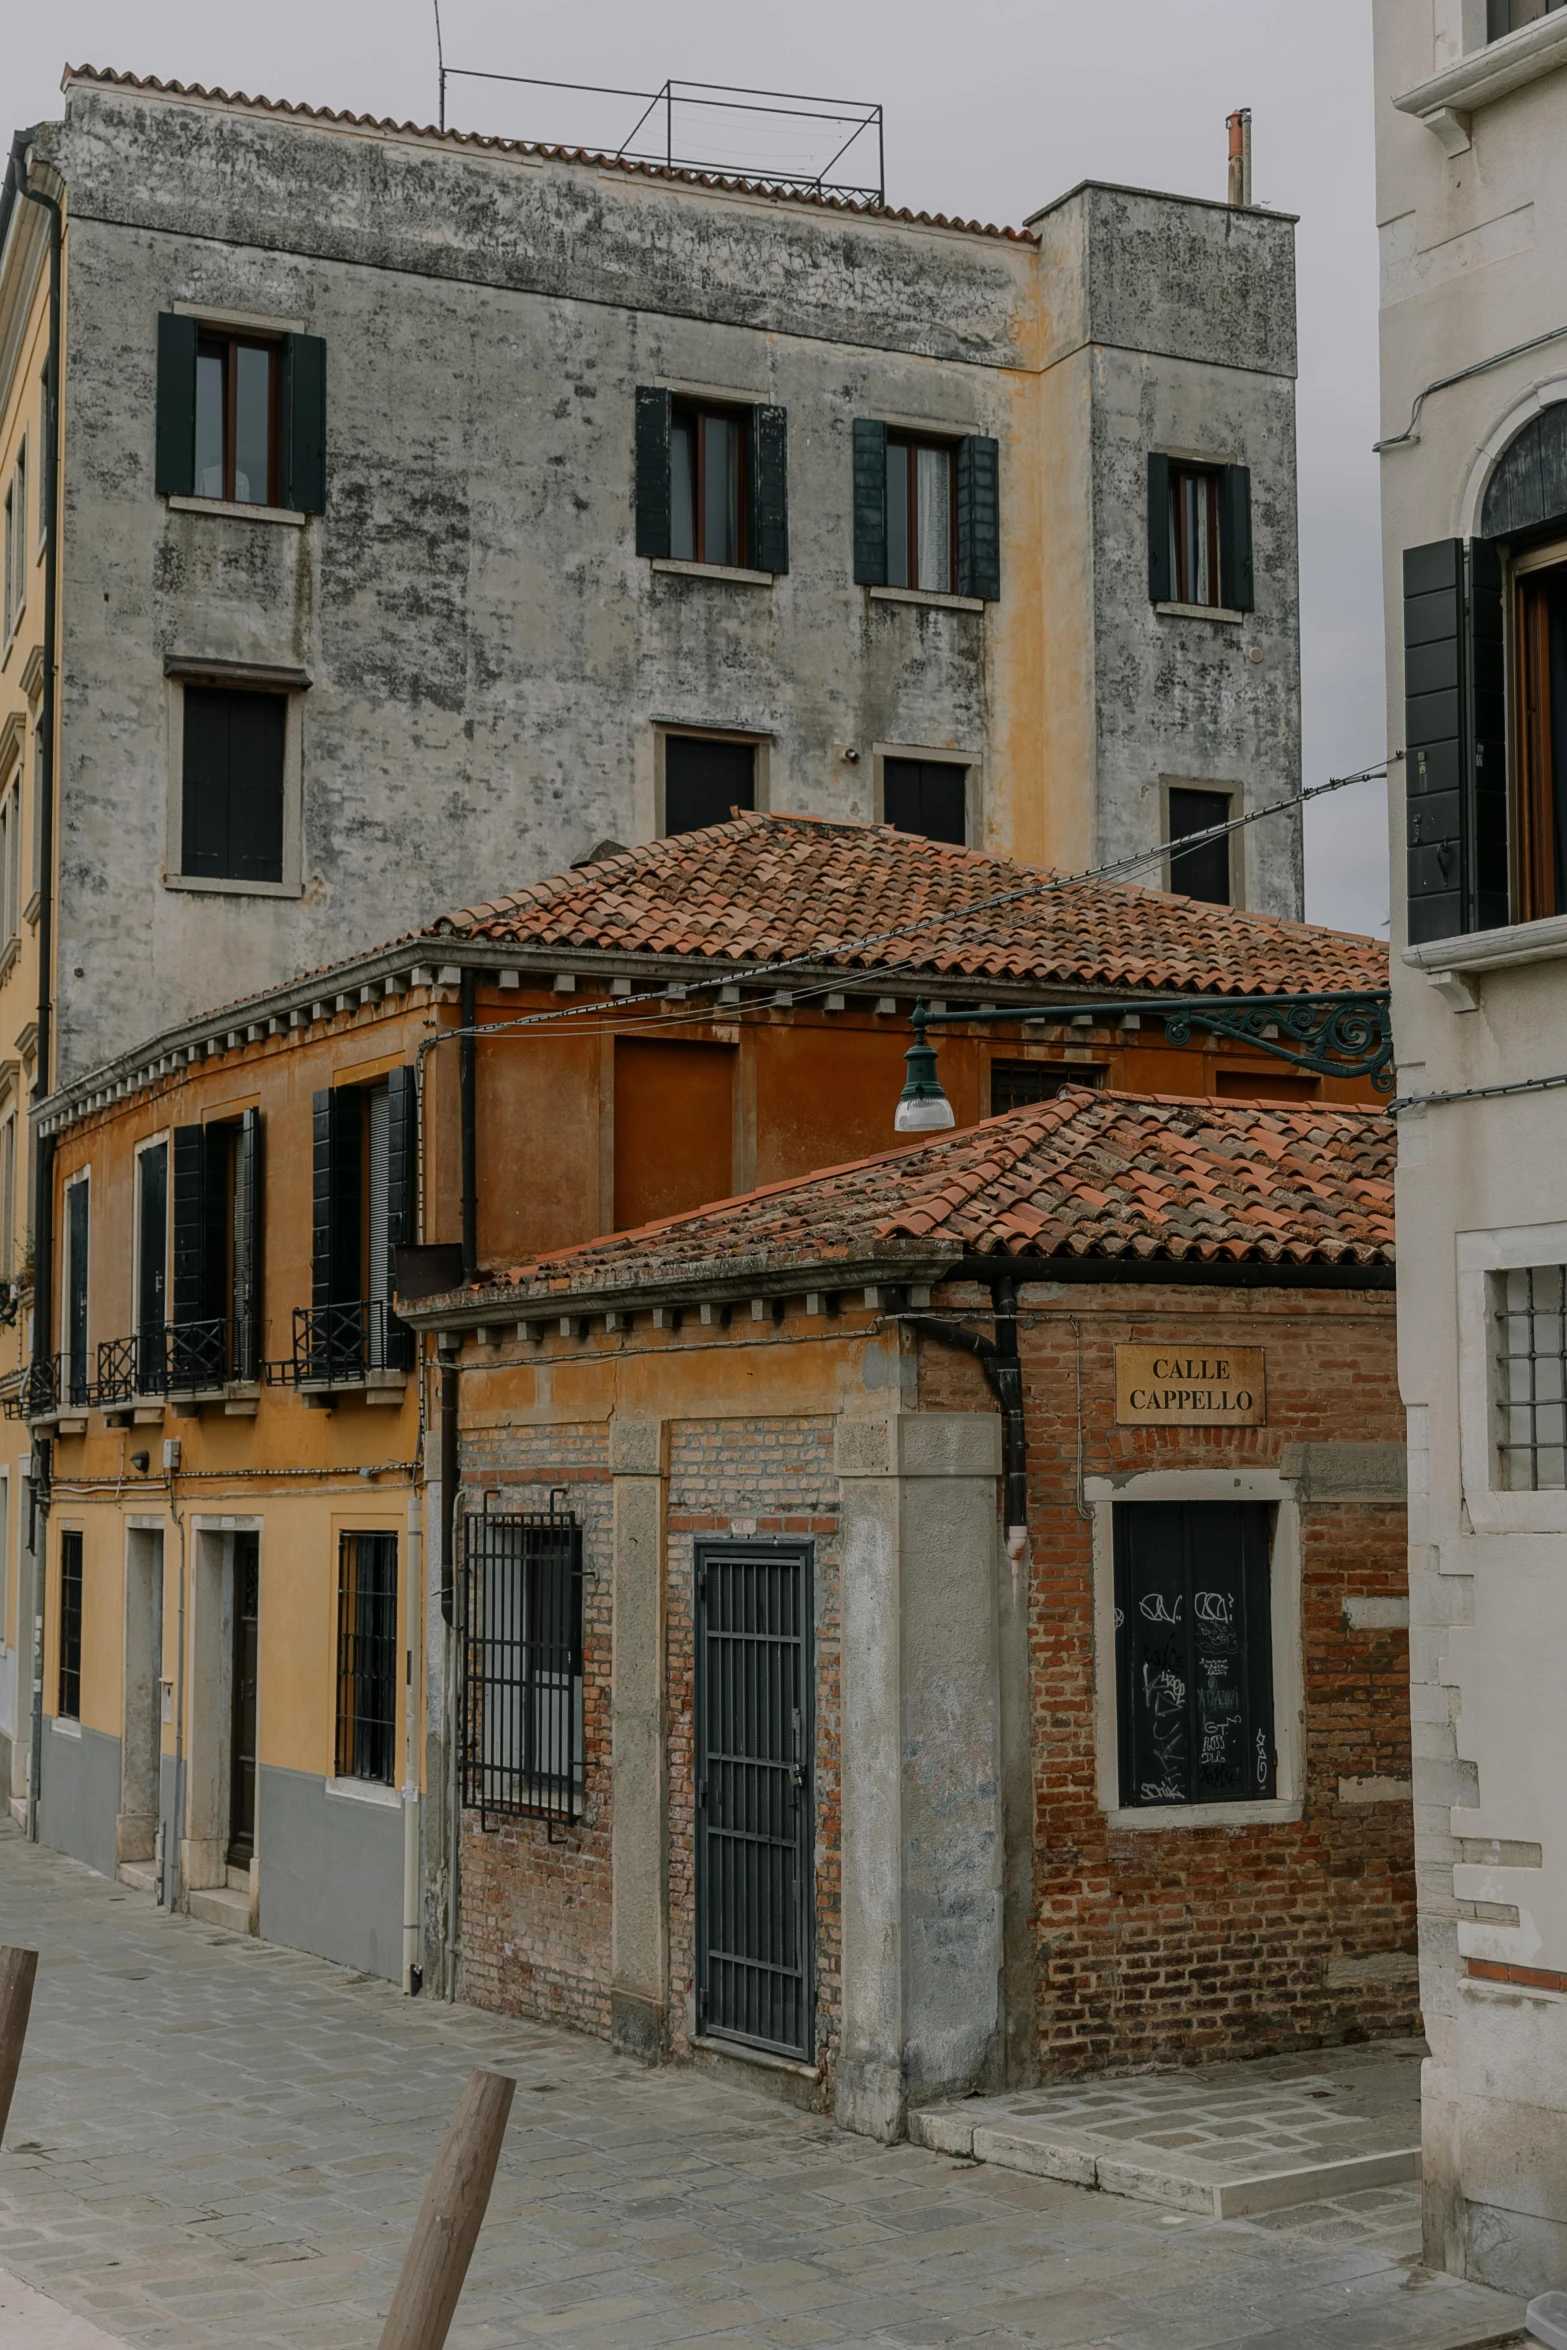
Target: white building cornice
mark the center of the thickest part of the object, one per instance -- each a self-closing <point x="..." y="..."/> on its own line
<point x="1446" y="102"/>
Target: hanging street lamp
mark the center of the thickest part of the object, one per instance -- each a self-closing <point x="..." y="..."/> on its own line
<point x="922" y="1106"/>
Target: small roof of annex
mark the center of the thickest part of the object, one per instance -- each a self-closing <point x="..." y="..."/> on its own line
<point x="1090" y="1175"/>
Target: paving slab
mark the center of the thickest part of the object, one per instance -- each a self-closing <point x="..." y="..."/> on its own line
<point x="1228" y="2140"/>
<point x="222" y="2146"/>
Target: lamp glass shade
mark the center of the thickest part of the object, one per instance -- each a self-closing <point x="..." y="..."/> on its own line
<point x="925" y="1114"/>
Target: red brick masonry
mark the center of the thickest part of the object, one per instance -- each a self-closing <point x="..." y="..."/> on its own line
<point x="1528" y="1978"/>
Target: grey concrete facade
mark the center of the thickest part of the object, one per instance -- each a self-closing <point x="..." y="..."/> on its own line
<point x="484" y="666"/>
<point x="1472" y="192"/>
<point x="923" y="1848"/>
<point x="331" y="1871"/>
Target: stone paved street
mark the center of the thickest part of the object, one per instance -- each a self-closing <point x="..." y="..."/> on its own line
<point x="218" y="2143"/>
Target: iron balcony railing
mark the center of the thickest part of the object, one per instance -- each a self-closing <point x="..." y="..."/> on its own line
<point x="176" y="1358"/>
<point x="38" y="1390"/>
<point x="340" y="1345"/>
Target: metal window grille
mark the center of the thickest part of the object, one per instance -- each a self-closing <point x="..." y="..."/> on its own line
<point x="1532" y="1377"/>
<point x="1016" y="1085"/>
<point x="522" y="1689"/>
<point x="70" y="1690"/>
<point x="367" y="1658"/>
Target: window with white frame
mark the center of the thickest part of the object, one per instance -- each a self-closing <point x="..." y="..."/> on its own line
<point x="1531" y="1377"/>
<point x="10" y="864"/>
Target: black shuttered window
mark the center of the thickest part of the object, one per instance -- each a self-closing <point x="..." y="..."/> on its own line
<point x="233" y="785"/>
<point x="926" y="514"/>
<point x="1194" y="1652"/>
<point x="1455" y="737"/>
<point x="240" y="419"/>
<point x="711" y="483"/>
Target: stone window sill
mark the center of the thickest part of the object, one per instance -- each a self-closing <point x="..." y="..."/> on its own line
<point x="763" y="2057"/>
<point x="209" y="885"/>
<point x="892" y="595"/>
<point x="64" y="1728"/>
<point x="1445" y="102"/>
<point x="727" y="571"/>
<point x="1490" y="950"/>
<point x="1270" y="1812"/>
<point x="238" y="513"/>
<point x="366" y="1791"/>
<point x="1200" y="612"/>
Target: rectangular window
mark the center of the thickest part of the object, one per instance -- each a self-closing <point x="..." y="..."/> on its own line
<point x="705" y="781"/>
<point x="1194" y="534"/>
<point x="8" y="1235"/>
<point x="10" y="865"/>
<point x="926" y="796"/>
<point x="13" y="539"/>
<point x="367" y="1655"/>
<point x="1531" y="1377"/>
<point x="237" y="385"/>
<point x="1540" y="672"/>
<point x="1194" y="1652"/>
<point x="707" y="485"/>
<point x="1017" y="1085"/>
<point x="68" y="1703"/>
<point x="1204" y="871"/>
<point x="364" y="1182"/>
<point x="1510" y="16"/>
<point x="77" y="1372"/>
<point x="214" y="1332"/>
<point x="152" y="1266"/>
<point x="232" y="805"/>
<point x="921" y="514"/>
<point x="522" y="1732"/>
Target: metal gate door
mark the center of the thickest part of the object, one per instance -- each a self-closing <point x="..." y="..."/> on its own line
<point x="755" y="1817"/>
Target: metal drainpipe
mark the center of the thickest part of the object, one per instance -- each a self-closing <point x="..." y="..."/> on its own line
<point x="999" y="1360"/>
<point x="468" y="1110"/>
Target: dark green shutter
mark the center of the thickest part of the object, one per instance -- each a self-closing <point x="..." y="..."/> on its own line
<point x="335" y="1271"/>
<point x="1486" y="738"/>
<point x="769" y="455"/>
<point x="303" y="486"/>
<point x="247" y="1247"/>
<point x="1160" y="577"/>
<point x="200" y="1223"/>
<point x="870" y="502"/>
<point x="175" y="464"/>
<point x="1455" y="779"/>
<point x="402" y="1192"/>
<point x="979" y="517"/>
<point x="1235" y="582"/>
<point x="653" y="406"/>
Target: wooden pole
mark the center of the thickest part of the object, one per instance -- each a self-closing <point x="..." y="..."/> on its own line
<point x="17" y="1969"/>
<point x="450" y="2217"/>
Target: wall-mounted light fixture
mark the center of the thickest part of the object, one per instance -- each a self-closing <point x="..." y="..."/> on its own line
<point x="922" y="1106"/>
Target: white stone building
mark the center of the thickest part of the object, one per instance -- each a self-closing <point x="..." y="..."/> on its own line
<point x="1472" y="208"/>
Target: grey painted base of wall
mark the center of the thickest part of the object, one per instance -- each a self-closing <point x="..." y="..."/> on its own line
<point x="5" y="1768"/>
<point x="331" y="1872"/>
<point x="79" y="1795"/>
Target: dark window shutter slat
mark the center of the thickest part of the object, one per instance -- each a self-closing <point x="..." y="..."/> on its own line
<point x="335" y="1196"/>
<point x="304" y="424"/>
<point x="653" y="406"/>
<point x="1455" y="768"/>
<point x="247" y="1247"/>
<point x="174" y="470"/>
<point x="870" y="502"/>
<point x="979" y="517"/>
<point x="401" y="1198"/>
<point x="189" y="1259"/>
<point x="1160" y="588"/>
<point x="769" y="453"/>
<point x="255" y="794"/>
<point x="1486" y="740"/>
<point x="1235" y="581"/>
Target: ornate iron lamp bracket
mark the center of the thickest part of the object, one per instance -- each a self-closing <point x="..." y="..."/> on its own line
<point x="1345" y="1034"/>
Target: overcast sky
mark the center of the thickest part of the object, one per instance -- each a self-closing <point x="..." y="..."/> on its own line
<point x="990" y="112"/>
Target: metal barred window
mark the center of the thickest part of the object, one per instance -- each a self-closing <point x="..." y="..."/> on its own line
<point x="69" y="1704"/>
<point x="1531" y="1314"/>
<point x="522" y="1750"/>
<point x="367" y="1658"/>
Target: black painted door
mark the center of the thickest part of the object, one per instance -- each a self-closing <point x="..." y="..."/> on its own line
<point x="754" y="1805"/>
<point x="242" y="1748"/>
<point x="1194" y="1651"/>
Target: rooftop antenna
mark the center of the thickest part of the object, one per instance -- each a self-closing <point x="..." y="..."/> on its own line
<point x="440" y="64"/>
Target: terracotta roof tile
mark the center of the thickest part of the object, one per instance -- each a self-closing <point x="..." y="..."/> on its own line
<point x="1088" y="1174"/>
<point x="764" y="888"/>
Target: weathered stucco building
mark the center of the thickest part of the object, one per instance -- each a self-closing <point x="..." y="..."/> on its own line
<point x="434" y="507"/>
<point x="660" y="1028"/>
<point x="1472" y="195"/>
<point x="817" y="1712"/>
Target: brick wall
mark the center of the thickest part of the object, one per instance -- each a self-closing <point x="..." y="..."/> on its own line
<point x="535" y="1923"/>
<point x="1185" y="1944"/>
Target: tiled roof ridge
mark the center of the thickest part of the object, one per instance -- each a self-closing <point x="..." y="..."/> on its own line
<point x="721" y="182"/>
<point x="961" y="1167"/>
